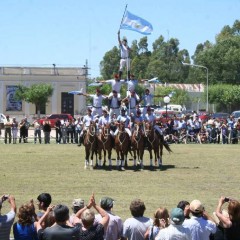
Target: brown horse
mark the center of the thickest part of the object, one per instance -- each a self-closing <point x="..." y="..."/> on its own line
<point x="90" y="143"/>
<point x="105" y="144"/>
<point x="122" y="142"/>
<point x="155" y="143"/>
<point x="137" y="143"/>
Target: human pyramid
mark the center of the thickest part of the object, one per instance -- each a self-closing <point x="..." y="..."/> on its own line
<point x="127" y="125"/>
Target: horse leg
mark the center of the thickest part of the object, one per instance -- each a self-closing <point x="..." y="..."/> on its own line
<point x="150" y="154"/>
<point x="110" y="158"/>
<point x="104" y="157"/>
<point x="160" y="157"/>
<point x="91" y="159"/>
<point x="123" y="160"/>
<point x="99" y="157"/>
<point x="118" y="160"/>
<point x="141" y="157"/>
<point x="86" y="158"/>
<point x="134" y="157"/>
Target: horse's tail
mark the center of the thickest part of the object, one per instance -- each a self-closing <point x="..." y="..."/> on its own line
<point x="165" y="144"/>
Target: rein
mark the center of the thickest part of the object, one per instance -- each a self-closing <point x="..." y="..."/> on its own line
<point x="105" y="134"/>
<point x="91" y="132"/>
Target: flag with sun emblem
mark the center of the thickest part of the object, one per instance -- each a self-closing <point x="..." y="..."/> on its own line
<point x="135" y="23"/>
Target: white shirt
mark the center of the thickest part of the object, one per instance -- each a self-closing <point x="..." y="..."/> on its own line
<point x="150" y="118"/>
<point x="114" y="102"/>
<point x="174" y="232"/>
<point x="114" y="228"/>
<point x="104" y="120"/>
<point x="135" y="228"/>
<point x="116" y="85"/>
<point x="200" y="228"/>
<point x="97" y="100"/>
<point x="125" y="119"/>
<point x="131" y="84"/>
<point x="87" y="120"/>
<point x="133" y="101"/>
<point x="124" y="51"/>
<point x="147" y="99"/>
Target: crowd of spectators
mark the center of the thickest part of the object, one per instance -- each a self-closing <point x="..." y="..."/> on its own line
<point x="178" y="129"/>
<point x="91" y="221"/>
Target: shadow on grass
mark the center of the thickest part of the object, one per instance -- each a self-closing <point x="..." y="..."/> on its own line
<point x="135" y="169"/>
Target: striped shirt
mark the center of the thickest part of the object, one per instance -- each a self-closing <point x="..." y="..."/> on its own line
<point x="6" y="222"/>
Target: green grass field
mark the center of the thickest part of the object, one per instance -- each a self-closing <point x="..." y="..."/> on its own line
<point x="192" y="171"/>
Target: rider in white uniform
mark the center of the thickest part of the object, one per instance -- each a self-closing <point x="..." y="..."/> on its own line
<point x="103" y="120"/>
<point x="123" y="118"/>
<point x="86" y="123"/>
<point x="151" y="118"/>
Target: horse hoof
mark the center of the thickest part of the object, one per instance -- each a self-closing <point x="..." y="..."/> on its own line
<point x="85" y="167"/>
<point x="122" y="169"/>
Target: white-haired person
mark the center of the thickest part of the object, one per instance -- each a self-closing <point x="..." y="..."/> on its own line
<point x="89" y="228"/>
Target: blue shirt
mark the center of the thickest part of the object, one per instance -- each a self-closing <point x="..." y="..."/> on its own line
<point x="24" y="232"/>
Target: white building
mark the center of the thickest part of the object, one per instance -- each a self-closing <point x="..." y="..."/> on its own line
<point x="63" y="80"/>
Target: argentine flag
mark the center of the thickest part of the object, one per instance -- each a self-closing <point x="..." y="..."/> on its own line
<point x="135" y="23"/>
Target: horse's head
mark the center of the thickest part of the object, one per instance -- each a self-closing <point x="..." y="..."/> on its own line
<point x="106" y="129"/>
<point x="92" y="128"/>
<point x="148" y="129"/>
<point x="121" y="126"/>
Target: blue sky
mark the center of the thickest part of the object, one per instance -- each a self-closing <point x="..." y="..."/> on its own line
<point x="67" y="32"/>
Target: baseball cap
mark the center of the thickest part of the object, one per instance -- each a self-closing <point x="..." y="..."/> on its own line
<point x="177" y="215"/>
<point x="196" y="206"/>
<point x="78" y="203"/>
<point x="106" y="202"/>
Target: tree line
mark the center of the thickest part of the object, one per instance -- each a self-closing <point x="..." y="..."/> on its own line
<point x="164" y="61"/>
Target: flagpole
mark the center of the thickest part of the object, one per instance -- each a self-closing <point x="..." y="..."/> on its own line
<point x="123" y="16"/>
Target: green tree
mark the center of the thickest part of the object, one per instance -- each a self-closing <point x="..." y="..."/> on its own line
<point x="225" y="96"/>
<point x="222" y="58"/>
<point x="110" y="63"/>
<point x="165" y="61"/>
<point x="37" y="94"/>
<point x="178" y="96"/>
